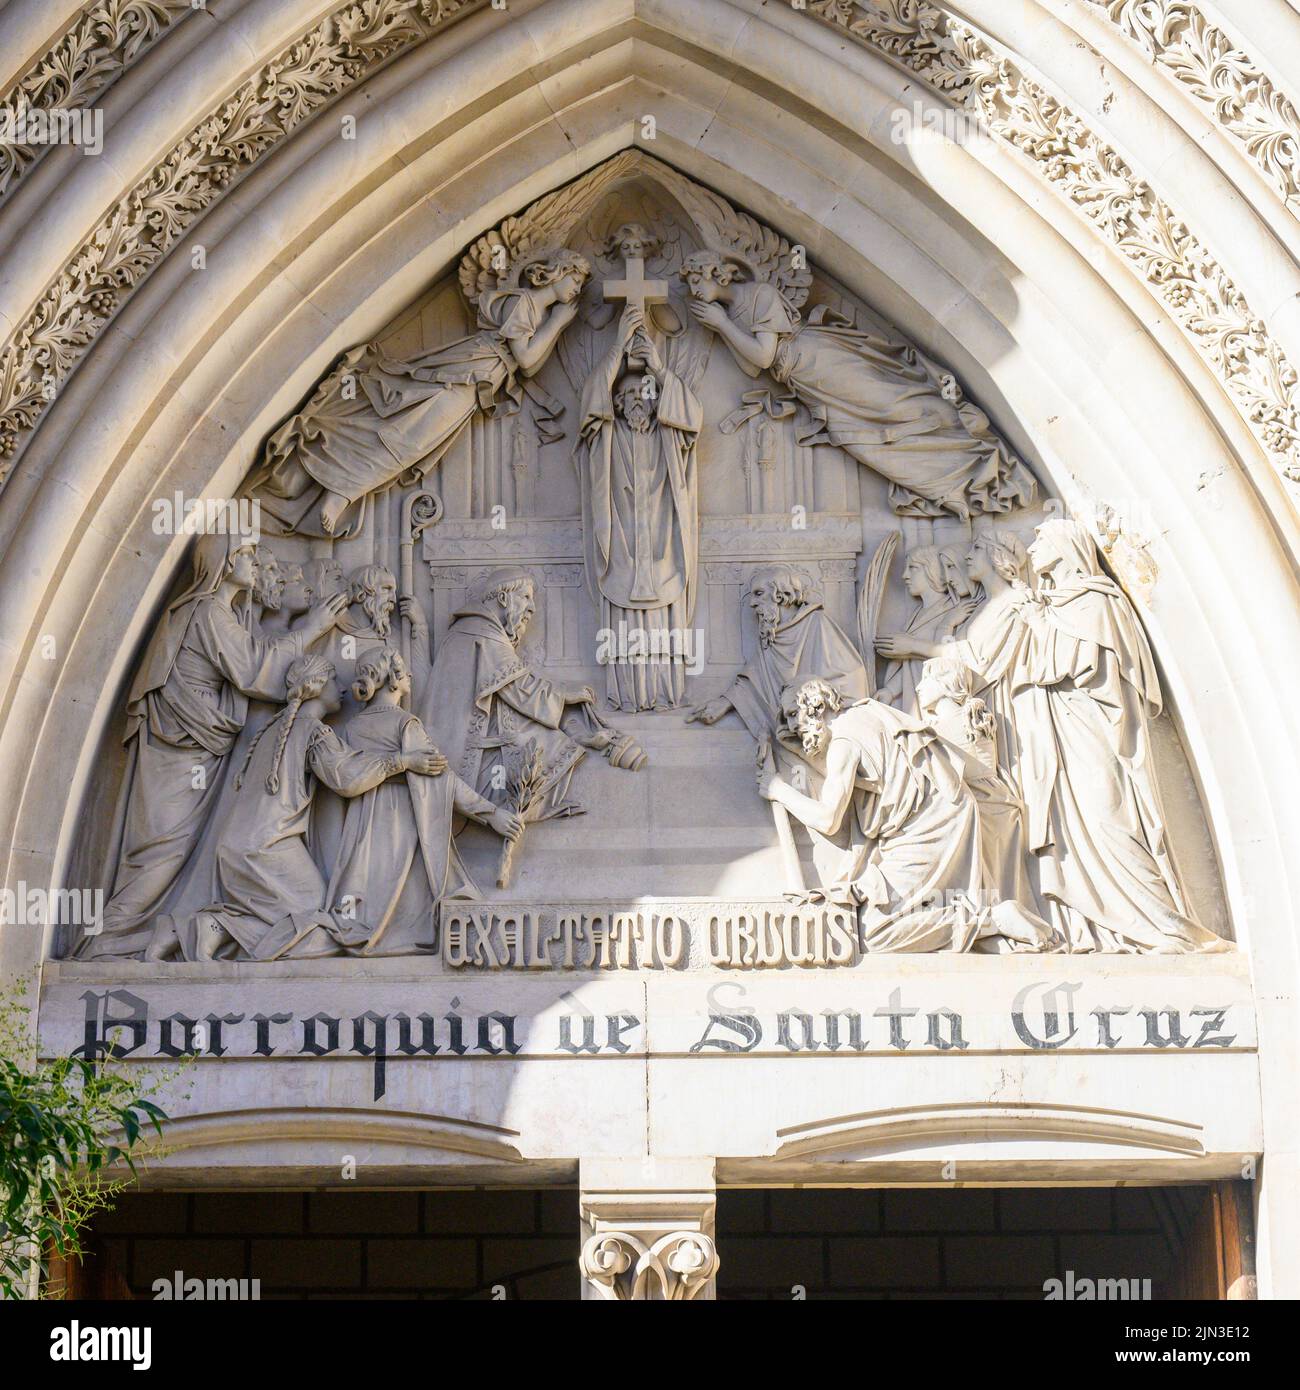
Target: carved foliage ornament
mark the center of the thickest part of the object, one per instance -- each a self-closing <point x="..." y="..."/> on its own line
<point x="1175" y="35"/>
<point x="136" y="234"/>
<point x="102" y="42"/>
<point x="960" y="65"/>
<point x="949" y="57"/>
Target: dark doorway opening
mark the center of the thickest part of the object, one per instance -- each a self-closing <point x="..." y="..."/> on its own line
<point x="443" y="1244"/>
<point x="986" y="1243"/>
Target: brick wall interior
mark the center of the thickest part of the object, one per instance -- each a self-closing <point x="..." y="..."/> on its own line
<point x="930" y="1243"/>
<point x="451" y="1244"/>
<point x="847" y="1243"/>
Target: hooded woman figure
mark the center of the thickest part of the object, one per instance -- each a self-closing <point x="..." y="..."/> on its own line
<point x="397" y="861"/>
<point x="935" y="617"/>
<point x="186" y="708"/>
<point x="1085" y="692"/>
<point x="1073" y="686"/>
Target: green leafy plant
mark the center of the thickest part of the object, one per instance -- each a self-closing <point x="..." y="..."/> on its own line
<point x="64" y="1122"/>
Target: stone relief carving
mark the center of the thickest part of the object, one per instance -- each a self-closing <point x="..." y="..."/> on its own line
<point x="132" y="237"/>
<point x="940" y="859"/>
<point x="102" y="42"/>
<point x="639" y="426"/>
<point x="374" y="421"/>
<point x="1155" y="238"/>
<point x="937" y="580"/>
<point x="1075" y="686"/>
<point x="623" y="1268"/>
<point x="186" y="708"/>
<point x="48" y="344"/>
<point x="271" y="898"/>
<point x="483" y="697"/>
<point x="936" y="450"/>
<point x="1178" y="37"/>
<point x="344" y="752"/>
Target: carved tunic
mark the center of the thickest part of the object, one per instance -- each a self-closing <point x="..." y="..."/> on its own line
<point x="640" y="496"/>
<point x="807" y="642"/>
<point x="1085" y="689"/>
<point x="936" y="834"/>
<point x="182" y="734"/>
<point x="272" y="896"/>
<point x="482" y="696"/>
<point x="398" y="860"/>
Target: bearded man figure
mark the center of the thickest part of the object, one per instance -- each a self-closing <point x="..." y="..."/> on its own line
<point x="640" y="502"/>
<point x="483" y="698"/>
<point x="797" y="639"/>
<point x="921" y="870"/>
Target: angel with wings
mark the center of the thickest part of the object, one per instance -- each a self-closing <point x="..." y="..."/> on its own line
<point x="375" y="421"/>
<point x="879" y="401"/>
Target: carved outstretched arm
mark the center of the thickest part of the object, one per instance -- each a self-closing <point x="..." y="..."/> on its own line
<point x="531" y="352"/>
<point x="469" y="803"/>
<point x="754" y="352"/>
<point x="824" y="812"/>
<point x="902" y="646"/>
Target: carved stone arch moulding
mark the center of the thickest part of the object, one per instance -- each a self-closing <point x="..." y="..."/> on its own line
<point x="392" y="1135"/>
<point x="679" y="1261"/>
<point x="960" y="65"/>
<point x="91" y="53"/>
<point x="1223" y="77"/>
<point x="919" y="1127"/>
<point x="133" y="236"/>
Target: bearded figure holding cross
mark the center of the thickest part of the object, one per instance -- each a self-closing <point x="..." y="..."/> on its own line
<point x="637" y="462"/>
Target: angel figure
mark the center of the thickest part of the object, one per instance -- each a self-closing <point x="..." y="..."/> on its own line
<point x="374" y="420"/>
<point x="877" y="400"/>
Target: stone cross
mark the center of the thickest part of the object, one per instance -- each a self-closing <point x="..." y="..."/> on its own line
<point x="635" y="288"/>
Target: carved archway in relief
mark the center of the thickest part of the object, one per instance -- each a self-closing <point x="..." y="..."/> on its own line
<point x="950" y="251"/>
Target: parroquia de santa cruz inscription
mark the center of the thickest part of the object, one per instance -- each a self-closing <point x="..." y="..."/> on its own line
<point x="390" y="1020"/>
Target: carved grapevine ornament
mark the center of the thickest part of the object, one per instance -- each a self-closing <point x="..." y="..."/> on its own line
<point x="103" y="41"/>
<point x="1175" y="35"/>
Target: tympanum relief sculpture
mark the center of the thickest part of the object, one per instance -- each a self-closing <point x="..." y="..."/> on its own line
<point x="524" y="628"/>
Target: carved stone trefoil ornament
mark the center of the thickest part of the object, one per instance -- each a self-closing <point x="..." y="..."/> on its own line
<point x="623" y="1269"/>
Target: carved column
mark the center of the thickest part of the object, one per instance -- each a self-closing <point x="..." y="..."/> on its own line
<point x="647" y="1229"/>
